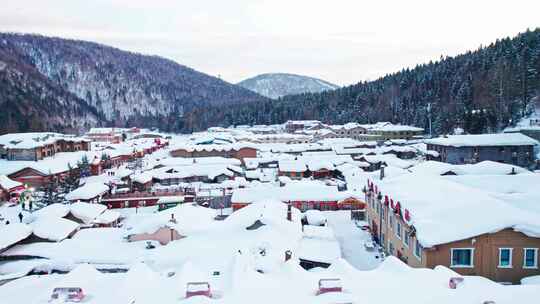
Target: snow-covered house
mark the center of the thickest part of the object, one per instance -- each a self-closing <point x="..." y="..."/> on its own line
<point x="295" y="169"/>
<point x="141" y="181"/>
<point x="304" y="195"/>
<point x="89" y="192"/>
<point x="511" y="148"/>
<point x="387" y="131"/>
<point x="475" y="224"/>
<point x="36" y="146"/>
<point x="9" y="188"/>
<point x="85" y="213"/>
<point x="171" y="224"/>
<point x="234" y="150"/>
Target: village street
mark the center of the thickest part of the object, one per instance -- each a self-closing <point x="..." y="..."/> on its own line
<point x="351" y="239"/>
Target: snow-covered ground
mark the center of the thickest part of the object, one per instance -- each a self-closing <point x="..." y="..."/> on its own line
<point x="351" y="239"/>
<point x="392" y="282"/>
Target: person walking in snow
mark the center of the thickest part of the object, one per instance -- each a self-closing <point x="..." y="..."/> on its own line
<point x="20" y="216"/>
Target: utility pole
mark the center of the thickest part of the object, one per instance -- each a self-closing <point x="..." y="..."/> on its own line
<point x="429" y="117"/>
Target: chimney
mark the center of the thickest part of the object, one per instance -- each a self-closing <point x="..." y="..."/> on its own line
<point x="382" y="170"/>
<point x="288" y="255"/>
<point x="289" y="212"/>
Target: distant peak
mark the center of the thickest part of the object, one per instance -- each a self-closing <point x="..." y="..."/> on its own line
<point x="275" y="85"/>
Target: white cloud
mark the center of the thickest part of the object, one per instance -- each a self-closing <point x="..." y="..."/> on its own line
<point x="343" y="41"/>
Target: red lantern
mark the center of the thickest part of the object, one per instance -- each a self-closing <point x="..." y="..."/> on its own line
<point x="386" y="200"/>
<point x="407" y="215"/>
<point x="376" y="189"/>
<point x="398" y="208"/>
<point x="392" y="204"/>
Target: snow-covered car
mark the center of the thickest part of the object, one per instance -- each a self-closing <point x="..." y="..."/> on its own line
<point x="198" y="289"/>
<point x="329" y="285"/>
<point x="67" y="294"/>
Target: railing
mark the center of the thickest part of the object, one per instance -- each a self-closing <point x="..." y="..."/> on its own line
<point x="144" y="194"/>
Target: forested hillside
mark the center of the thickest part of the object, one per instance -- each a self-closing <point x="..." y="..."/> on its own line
<point x="481" y="91"/>
<point x="122" y="88"/>
<point x="29" y="101"/>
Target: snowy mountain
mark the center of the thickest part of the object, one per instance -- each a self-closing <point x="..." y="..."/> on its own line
<point x="275" y="85"/>
<point x="123" y="88"/>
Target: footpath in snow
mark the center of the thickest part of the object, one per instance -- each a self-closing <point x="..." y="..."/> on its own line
<point x="351" y="239"/>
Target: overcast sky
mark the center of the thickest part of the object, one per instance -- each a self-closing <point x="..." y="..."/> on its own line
<point x="342" y="41"/>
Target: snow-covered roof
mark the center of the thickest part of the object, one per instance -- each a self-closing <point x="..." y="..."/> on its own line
<point x="7" y="183"/>
<point x="188" y="217"/>
<point x="481" y="168"/>
<point x="53" y="228"/>
<point x="86" y="212"/>
<point x="55" y="210"/>
<point x="316" y="165"/>
<point x="319" y="232"/>
<point x="211" y="171"/>
<point x="387" y="126"/>
<point x="315" y="217"/>
<point x="34" y="140"/>
<point x="390" y="160"/>
<point x="211" y="160"/>
<point x="499" y="139"/>
<point x="107" y="217"/>
<point x="13" y="233"/>
<point x="171" y="199"/>
<point x="142" y="178"/>
<point x="87" y="192"/>
<point x="292" y="166"/>
<point x="213" y="147"/>
<point x="57" y="163"/>
<point x="319" y="244"/>
<point x="292" y="191"/>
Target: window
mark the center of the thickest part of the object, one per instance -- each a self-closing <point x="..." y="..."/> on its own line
<point x="530" y="257"/>
<point x="406" y="238"/>
<point x="505" y="258"/>
<point x="398" y="229"/>
<point x="462" y="257"/>
<point x="391" y="221"/>
<point x="418" y="250"/>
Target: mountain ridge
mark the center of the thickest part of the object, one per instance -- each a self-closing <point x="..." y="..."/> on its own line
<point x="125" y="88"/>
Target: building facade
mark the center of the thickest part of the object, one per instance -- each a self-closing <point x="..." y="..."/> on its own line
<point x="509" y="148"/>
<point x="503" y="256"/>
